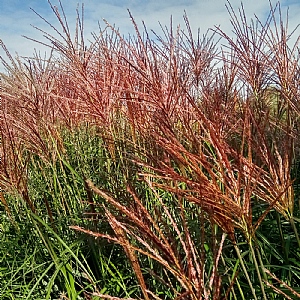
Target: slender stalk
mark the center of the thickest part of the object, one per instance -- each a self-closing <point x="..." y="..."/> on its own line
<point x="292" y="222"/>
<point x="245" y="271"/>
<point x="257" y="271"/>
<point x="263" y="271"/>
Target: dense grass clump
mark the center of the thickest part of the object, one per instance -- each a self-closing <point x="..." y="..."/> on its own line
<point x="152" y="169"/>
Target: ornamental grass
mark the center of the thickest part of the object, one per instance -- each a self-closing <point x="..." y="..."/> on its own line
<point x="157" y="166"/>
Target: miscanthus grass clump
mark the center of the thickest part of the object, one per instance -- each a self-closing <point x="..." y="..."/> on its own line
<point x="152" y="168"/>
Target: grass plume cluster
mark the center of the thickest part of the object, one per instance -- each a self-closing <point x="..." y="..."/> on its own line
<point x="174" y="154"/>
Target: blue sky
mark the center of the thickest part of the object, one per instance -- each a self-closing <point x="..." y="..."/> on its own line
<point x="16" y="16"/>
